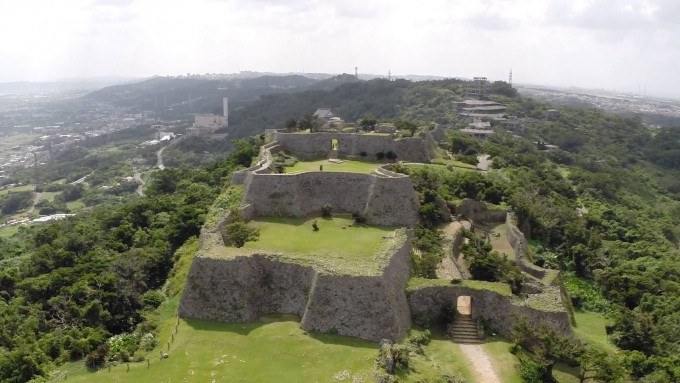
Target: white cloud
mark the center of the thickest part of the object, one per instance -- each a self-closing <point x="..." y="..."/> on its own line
<point x="612" y="44"/>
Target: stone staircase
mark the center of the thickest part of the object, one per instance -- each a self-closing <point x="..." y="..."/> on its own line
<point x="463" y="330"/>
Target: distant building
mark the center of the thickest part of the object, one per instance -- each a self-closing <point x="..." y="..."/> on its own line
<point x="324" y="114"/>
<point x="552" y="114"/>
<point x="476" y="109"/>
<point x="513" y="124"/>
<point x="209" y="123"/>
<point x="478" y="129"/>
<point x="478" y="88"/>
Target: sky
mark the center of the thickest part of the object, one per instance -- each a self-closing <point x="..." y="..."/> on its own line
<point x="627" y="45"/>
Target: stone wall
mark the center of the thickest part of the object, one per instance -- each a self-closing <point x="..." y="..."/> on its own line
<point x="390" y="201"/>
<point x="317" y="145"/>
<point x="478" y="212"/>
<point x="244" y="288"/>
<point x="427" y="304"/>
<point x="519" y="243"/>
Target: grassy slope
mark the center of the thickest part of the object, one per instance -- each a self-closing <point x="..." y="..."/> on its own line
<point x="344" y="166"/>
<point x="590" y="326"/>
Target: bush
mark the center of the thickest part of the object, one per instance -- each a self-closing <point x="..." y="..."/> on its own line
<point x="97" y="358"/>
<point x="153" y="298"/>
<point x="327" y="211"/>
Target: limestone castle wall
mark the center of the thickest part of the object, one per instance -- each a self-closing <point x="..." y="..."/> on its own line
<point x="317" y="145"/>
<point x="427" y="304"/>
<point x="243" y="288"/>
<point x="389" y="201"/>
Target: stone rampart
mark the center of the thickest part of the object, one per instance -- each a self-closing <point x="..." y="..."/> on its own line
<point x="519" y="243"/>
<point x="243" y="288"/>
<point x="389" y="201"/>
<point x="429" y="304"/>
<point x="316" y="145"/>
<point x="478" y="212"/>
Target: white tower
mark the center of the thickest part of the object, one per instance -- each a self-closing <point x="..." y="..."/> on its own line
<point x="225" y="106"/>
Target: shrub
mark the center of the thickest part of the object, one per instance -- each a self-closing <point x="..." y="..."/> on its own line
<point x="327" y="211"/>
<point x="152" y="298"/>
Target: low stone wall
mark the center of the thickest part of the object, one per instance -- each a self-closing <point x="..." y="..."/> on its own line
<point x="317" y="145"/>
<point x="428" y="304"/>
<point x="519" y="243"/>
<point x="244" y="288"/>
<point x="478" y="212"/>
<point x="388" y="201"/>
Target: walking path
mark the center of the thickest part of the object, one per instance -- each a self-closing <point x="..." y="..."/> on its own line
<point x="484" y="162"/>
<point x="479" y="359"/>
<point x="140" y="188"/>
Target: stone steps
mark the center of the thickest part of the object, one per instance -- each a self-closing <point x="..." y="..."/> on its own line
<point x="463" y="330"/>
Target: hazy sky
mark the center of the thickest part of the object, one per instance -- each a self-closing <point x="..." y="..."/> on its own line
<point x="615" y="44"/>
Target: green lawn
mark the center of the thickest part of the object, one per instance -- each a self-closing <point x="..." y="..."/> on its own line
<point x="8" y="231"/>
<point x="75" y="206"/>
<point x="274" y="349"/>
<point x="441" y="355"/>
<point x="499" y="240"/>
<point x="17" y="189"/>
<point x="344" y="166"/>
<point x="590" y="326"/>
<point x="295" y="235"/>
<point x="504" y="363"/>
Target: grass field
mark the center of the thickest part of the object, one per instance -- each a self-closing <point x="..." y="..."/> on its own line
<point x="498" y="350"/>
<point x="75" y="206"/>
<point x="274" y="349"/>
<point x="590" y="326"/>
<point x="295" y="235"/>
<point x="17" y="189"/>
<point x="344" y="166"/>
<point x="499" y="240"/>
<point x="441" y="355"/>
<point x="8" y="231"/>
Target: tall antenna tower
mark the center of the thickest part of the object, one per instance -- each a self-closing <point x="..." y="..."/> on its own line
<point x="389" y="75"/>
<point x="510" y="77"/>
<point x="356" y="71"/>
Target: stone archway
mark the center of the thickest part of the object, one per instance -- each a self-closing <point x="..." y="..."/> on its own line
<point x="464" y="305"/>
<point x="334" y="144"/>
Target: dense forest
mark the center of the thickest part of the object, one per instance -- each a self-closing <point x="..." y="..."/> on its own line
<point x="604" y="209"/>
<point x="68" y="286"/>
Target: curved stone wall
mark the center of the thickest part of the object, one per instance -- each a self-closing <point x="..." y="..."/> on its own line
<point x="428" y="303"/>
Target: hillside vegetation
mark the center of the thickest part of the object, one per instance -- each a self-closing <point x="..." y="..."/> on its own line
<point x="87" y="288"/>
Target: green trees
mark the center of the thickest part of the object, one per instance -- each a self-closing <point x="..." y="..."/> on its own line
<point x="238" y="233"/>
<point x="13" y="202"/>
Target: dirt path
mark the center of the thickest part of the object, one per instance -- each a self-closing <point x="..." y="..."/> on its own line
<point x="447" y="268"/>
<point x="481" y="362"/>
<point x="140" y="188"/>
<point x="484" y="162"/>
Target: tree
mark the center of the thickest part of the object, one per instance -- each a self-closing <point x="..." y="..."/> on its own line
<point x="238" y="233"/>
<point x="309" y="122"/>
<point x="545" y="345"/>
<point x="368" y="122"/>
<point x="291" y="124"/>
<point x="599" y="366"/>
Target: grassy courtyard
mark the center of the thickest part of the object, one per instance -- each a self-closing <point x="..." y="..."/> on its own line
<point x="335" y="238"/>
<point x="274" y="349"/>
<point x="328" y="166"/>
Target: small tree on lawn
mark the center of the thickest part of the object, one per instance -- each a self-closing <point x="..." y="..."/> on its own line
<point x="238" y="233"/>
